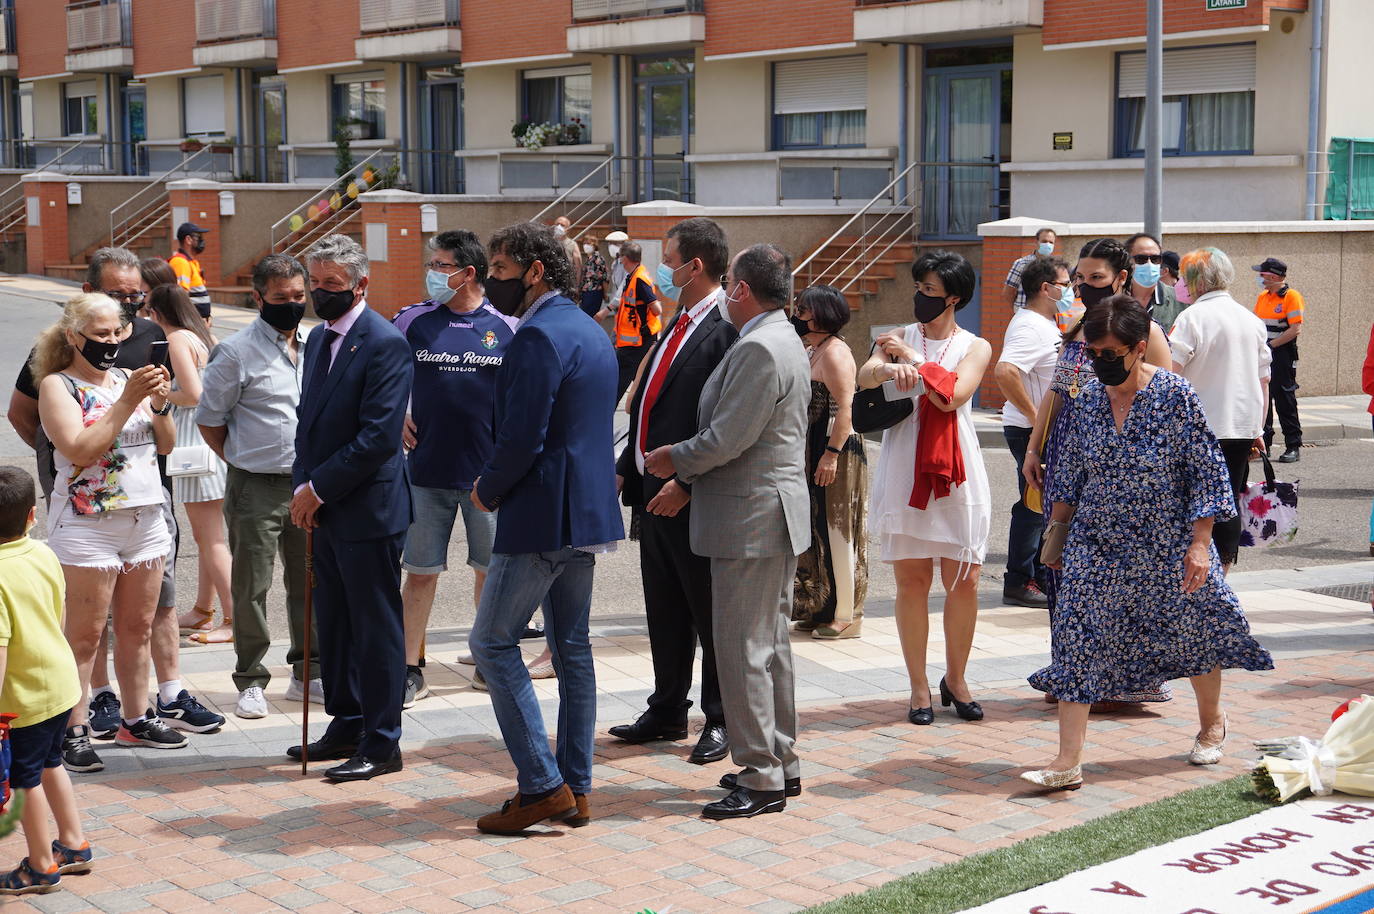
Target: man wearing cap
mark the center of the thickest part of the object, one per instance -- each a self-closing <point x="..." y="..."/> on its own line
<point x="1280" y="307"/>
<point x="190" y="242"/>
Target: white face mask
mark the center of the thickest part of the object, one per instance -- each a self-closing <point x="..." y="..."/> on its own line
<point x="614" y="249"/>
<point x="588" y="249"/>
<point x="559" y="231"/>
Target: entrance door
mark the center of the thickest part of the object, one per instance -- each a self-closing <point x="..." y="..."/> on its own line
<point x="967" y="119"/>
<point x="269" y="97"/>
<point x="665" y="120"/>
<point x="134" y="105"/>
<point x="441" y="131"/>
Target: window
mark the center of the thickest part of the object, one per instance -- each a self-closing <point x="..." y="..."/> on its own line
<point x="559" y="96"/>
<point x="1209" y="101"/>
<point x="80" y="113"/>
<point x="360" y="101"/>
<point x="819" y="103"/>
<point x="202" y="99"/>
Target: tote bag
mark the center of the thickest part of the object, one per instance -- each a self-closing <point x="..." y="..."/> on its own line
<point x="1268" y="510"/>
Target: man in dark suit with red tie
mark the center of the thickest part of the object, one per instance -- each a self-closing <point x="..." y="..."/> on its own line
<point x="677" y="582"/>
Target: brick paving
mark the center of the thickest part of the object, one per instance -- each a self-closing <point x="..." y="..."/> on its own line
<point x="230" y="825"/>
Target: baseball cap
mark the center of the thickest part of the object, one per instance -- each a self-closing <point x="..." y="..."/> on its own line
<point x="1272" y="265"/>
<point x="617" y="236"/>
<point x="189" y="228"/>
<point x="1170" y="260"/>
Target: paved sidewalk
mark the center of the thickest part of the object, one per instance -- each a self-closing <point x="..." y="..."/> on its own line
<point x="229" y="825"/>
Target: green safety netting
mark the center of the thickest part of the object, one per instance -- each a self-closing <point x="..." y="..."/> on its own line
<point x="1350" y="186"/>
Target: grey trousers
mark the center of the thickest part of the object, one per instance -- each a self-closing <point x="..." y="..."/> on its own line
<point x="751" y="616"/>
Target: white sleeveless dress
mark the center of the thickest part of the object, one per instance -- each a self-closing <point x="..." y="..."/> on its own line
<point x="954" y="527"/>
<point x="196" y="488"/>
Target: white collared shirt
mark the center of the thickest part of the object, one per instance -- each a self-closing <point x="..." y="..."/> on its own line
<point x="693" y="318"/>
<point x="342" y="326"/>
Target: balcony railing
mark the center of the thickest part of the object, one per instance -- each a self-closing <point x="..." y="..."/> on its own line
<point x="98" y="24"/>
<point x="632" y="9"/>
<point x="7" y="45"/>
<point x="227" y="20"/>
<point x="404" y="15"/>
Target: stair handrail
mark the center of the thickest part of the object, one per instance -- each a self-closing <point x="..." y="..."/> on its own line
<point x="12" y="212"/>
<point x="839" y="232"/>
<point x="562" y="199"/>
<point x="310" y="201"/>
<point x="160" y="183"/>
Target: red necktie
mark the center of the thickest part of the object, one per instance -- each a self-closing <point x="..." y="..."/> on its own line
<point x="656" y="382"/>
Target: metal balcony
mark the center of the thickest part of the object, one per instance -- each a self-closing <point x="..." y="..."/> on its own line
<point x="230" y="20"/>
<point x="406" y="15"/>
<point x="584" y="10"/>
<point x="96" y="24"/>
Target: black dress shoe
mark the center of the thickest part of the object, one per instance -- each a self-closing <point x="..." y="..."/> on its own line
<point x="968" y="710"/>
<point x="921" y="717"/>
<point x="531" y="632"/>
<point x="743" y="803"/>
<point x="1028" y="595"/>
<point x="649" y="728"/>
<point x="1292" y="455"/>
<point x="713" y="745"/>
<point x="790" y="786"/>
<point x="324" y="750"/>
<point x="361" y="768"/>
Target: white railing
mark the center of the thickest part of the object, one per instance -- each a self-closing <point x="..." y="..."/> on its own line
<point x="95" y="25"/>
<point x="399" y="15"/>
<point x="140" y="213"/>
<point x="224" y="20"/>
<point x="631" y="9"/>
<point x="280" y="235"/>
<point x="587" y="202"/>
<point x="880" y="228"/>
<point x="6" y="27"/>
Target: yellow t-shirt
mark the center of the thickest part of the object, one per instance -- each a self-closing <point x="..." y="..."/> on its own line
<point x="40" y="673"/>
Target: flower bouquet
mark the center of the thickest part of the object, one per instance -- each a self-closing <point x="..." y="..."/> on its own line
<point x="1343" y="761"/>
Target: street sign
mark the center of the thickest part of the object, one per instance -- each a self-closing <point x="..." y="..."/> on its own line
<point x="1226" y="4"/>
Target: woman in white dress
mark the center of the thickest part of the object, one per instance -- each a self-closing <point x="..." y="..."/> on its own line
<point x="952" y="524"/>
<point x="188" y="347"/>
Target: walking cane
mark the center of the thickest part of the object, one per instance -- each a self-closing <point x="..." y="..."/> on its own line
<point x="309" y="601"/>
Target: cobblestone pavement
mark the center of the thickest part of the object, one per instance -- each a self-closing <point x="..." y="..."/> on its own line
<point x="229" y="825"/>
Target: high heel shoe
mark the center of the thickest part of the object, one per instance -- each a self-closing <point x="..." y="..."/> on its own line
<point x="1072" y="779"/>
<point x="1209" y="755"/>
<point x="968" y="710"/>
<point x="921" y="717"/>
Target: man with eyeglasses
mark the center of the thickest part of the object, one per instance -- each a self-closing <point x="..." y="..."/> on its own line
<point x="459" y="341"/>
<point x="1147" y="262"/>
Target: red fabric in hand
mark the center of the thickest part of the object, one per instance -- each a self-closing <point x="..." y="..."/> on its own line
<point x="939" y="461"/>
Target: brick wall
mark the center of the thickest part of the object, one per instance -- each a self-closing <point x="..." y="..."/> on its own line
<point x="47" y="242"/>
<point x="394" y="283"/>
<point x="736" y="26"/>
<point x="1094" y="20"/>
<point x="315" y="32"/>
<point x="515" y="28"/>
<point x="998" y="254"/>
<point x="158" y="46"/>
<point x="41" y="35"/>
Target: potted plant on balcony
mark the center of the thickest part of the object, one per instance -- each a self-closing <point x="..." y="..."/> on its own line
<point x="192" y="144"/>
<point x="537" y="136"/>
<point x="517" y="132"/>
<point x="570" y="134"/>
<point x="221" y="145"/>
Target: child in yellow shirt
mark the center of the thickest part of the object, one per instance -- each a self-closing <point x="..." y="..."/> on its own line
<point x="41" y="687"/>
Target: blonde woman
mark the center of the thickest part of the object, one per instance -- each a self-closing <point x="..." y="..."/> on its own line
<point x="105" y="522"/>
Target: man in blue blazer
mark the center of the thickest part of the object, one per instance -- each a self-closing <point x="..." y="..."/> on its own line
<point x="552" y="476"/>
<point x="352" y="490"/>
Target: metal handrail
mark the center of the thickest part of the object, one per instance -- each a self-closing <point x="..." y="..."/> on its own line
<point x="351" y="173"/>
<point x="839" y="232"/>
<point x="12" y="212"/>
<point x="120" y="235"/>
<point x="562" y="198"/>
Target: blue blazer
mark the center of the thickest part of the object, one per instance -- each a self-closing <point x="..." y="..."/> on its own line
<point x="552" y="473"/>
<point x="348" y="433"/>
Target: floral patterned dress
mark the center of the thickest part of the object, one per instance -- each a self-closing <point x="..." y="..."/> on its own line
<point x="1122" y="621"/>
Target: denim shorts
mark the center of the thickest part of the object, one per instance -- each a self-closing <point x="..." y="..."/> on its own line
<point x="426" y="550"/>
<point x="34" y="748"/>
<point x="109" y="540"/>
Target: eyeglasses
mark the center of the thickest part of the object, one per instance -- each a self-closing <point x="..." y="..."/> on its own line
<point x="128" y="298"/>
<point x="1106" y="355"/>
<point x="442" y="267"/>
<point x="1147" y="258"/>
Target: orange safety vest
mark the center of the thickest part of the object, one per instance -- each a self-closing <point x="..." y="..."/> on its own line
<point x="627" y="328"/>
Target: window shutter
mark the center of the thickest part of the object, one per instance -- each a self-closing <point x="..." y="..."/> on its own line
<point x="1192" y="71"/>
<point x="825" y="84"/>
<point x="204" y="105"/>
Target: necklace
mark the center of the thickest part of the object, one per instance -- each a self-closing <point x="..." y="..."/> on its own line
<point x="941" y="354"/>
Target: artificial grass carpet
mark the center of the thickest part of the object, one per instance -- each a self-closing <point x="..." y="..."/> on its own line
<point x="988" y="876"/>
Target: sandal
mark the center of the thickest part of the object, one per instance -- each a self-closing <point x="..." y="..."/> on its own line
<point x="222" y="635"/>
<point x="829" y="632"/>
<point x="72" y="860"/>
<point x="25" y="880"/>
<point x="204" y="620"/>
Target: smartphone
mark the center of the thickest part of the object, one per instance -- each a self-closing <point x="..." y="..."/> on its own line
<point x="891" y="393"/>
<point x="157" y="353"/>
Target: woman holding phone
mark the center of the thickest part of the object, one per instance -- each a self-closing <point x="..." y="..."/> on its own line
<point x="189" y="343"/>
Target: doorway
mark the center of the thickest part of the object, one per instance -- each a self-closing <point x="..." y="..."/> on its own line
<point x="134" y="115"/>
<point x="269" y="103"/>
<point x="665" y="121"/>
<point x="441" y="131"/>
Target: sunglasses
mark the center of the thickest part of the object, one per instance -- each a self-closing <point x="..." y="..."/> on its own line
<point x="1106" y="355"/>
<point x="1147" y="258"/>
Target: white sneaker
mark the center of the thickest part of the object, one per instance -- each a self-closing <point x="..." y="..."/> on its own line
<point x="295" y="691"/>
<point x="252" y="703"/>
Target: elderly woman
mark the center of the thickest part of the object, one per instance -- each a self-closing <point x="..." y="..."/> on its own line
<point x="105" y="521"/>
<point x="1142" y="597"/>
<point x="595" y="275"/>
<point x="1222" y="348"/>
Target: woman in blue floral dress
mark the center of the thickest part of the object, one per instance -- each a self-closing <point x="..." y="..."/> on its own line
<point x="1142" y="598"/>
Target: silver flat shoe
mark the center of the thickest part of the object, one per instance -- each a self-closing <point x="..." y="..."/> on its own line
<point x="1071" y="779"/>
<point x="1209" y="755"/>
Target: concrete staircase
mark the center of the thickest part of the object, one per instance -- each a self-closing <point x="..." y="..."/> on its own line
<point x="841" y="263"/>
<point x="239" y="287"/>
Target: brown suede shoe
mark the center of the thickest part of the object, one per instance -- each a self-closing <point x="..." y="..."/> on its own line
<point x="517" y="814"/>
<point x="583" y="814"/>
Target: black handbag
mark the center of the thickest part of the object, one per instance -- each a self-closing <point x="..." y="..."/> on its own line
<point x="873" y="412"/>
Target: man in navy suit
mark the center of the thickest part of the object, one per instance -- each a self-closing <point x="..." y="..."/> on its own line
<point x="353" y="491"/>
<point x="552" y="476"/>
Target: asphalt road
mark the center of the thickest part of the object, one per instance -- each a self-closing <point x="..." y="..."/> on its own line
<point x="1336" y="489"/>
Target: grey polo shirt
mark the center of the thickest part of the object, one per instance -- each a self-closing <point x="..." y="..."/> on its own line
<point x="251" y="386"/>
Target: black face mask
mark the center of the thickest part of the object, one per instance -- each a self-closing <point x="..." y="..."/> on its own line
<point x="331" y="306"/>
<point x="1091" y="295"/>
<point x="100" y="355"/>
<point x="803" y="327"/>
<point x="198" y="245"/>
<point x="128" y="310"/>
<point x="507" y="295"/>
<point x="927" y="307"/>
<point x="284" y="316"/>
<point x="1111" y="372"/>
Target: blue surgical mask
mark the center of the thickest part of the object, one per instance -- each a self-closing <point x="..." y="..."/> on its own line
<point x="1146" y="274"/>
<point x="1066" y="298"/>
<point x="1044" y="249"/>
<point x="436" y="286"/>
<point x="663" y="280"/>
<point x="1259" y="279"/>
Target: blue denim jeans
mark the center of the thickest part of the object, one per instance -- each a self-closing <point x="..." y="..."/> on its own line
<point x="516" y="584"/>
<point x="1023" y="539"/>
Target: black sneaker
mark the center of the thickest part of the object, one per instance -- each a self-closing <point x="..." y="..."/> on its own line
<point x="415" y="686"/>
<point x="149" y="731"/>
<point x="185" y="713"/>
<point x="1029" y="594"/>
<point x="104" y="715"/>
<point x="77" y="754"/>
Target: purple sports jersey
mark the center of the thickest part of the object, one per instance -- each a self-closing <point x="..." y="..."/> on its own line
<point x="453" y="399"/>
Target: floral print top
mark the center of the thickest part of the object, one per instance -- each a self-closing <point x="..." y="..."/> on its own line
<point x="595" y="273"/>
<point x="126" y="475"/>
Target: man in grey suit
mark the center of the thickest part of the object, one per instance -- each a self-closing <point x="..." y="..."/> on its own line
<point x="750" y="514"/>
